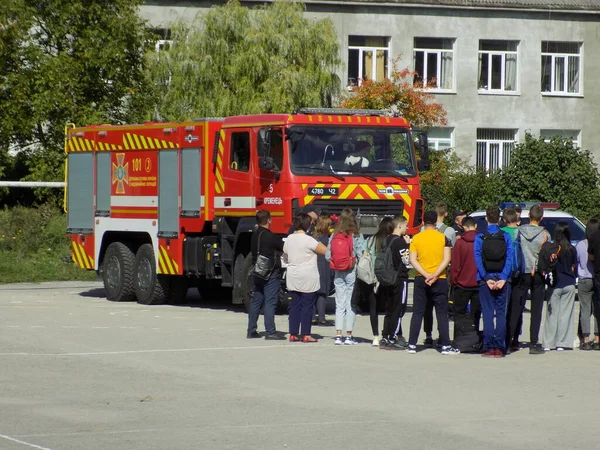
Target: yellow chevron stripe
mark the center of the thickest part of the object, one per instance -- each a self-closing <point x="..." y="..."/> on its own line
<point x="359" y="197"/>
<point x="369" y="191"/>
<point x="89" y="145"/>
<point x="405" y="214"/>
<point x="79" y="261"/>
<point x="131" y="142"/>
<point x="217" y="188"/>
<point x="114" y="147"/>
<point x="89" y="261"/>
<point x="161" y="265"/>
<point x="407" y="199"/>
<point x="164" y="144"/>
<point x="71" y="146"/>
<point x="100" y="146"/>
<point x="221" y="147"/>
<point x="220" y="180"/>
<point x="137" y="141"/>
<point x="148" y="142"/>
<point x="167" y="259"/>
<point x="219" y="161"/>
<point x="348" y="191"/>
<point x="76" y="144"/>
<point x="125" y="143"/>
<point x="172" y="144"/>
<point x="176" y="266"/>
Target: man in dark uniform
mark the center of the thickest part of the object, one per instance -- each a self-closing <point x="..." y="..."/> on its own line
<point x="266" y="292"/>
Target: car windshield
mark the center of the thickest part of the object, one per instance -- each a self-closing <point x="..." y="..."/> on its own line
<point x="351" y="150"/>
<point x="575" y="227"/>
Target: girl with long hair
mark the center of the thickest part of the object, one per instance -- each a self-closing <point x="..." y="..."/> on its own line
<point x="559" y="331"/>
<point x="364" y="292"/>
<point x="344" y="280"/>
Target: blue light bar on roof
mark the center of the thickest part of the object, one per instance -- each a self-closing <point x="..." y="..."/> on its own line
<point x="528" y="205"/>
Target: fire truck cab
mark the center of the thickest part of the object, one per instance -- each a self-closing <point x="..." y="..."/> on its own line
<point x="157" y="207"/>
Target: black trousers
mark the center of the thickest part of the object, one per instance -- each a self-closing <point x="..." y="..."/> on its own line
<point x="366" y="291"/>
<point x="396" y="297"/>
<point x="514" y="316"/>
<point x="464" y="297"/>
<point x="438" y="295"/>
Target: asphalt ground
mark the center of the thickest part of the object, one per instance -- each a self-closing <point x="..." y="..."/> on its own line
<point x="80" y="372"/>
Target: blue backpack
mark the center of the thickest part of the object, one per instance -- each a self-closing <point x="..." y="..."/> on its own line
<point x="516" y="258"/>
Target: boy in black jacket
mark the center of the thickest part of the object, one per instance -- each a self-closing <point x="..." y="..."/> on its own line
<point x="396" y="295"/>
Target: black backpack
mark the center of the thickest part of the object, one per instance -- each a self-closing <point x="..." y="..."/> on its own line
<point x="385" y="271"/>
<point x="493" y="251"/>
<point x="466" y="338"/>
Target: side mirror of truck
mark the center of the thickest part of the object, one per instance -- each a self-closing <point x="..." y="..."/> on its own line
<point x="422" y="146"/>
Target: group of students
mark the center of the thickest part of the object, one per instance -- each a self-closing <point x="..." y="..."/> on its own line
<point x="490" y="275"/>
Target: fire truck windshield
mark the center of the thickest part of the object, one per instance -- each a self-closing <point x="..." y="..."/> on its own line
<point x="350" y="151"/>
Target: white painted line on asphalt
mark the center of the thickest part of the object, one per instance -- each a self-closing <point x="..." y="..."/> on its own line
<point x="16" y="302"/>
<point x="128" y="328"/>
<point x="100" y="328"/>
<point x="70" y="326"/>
<point x="13" y="326"/>
<point x="8" y="438"/>
<point x="166" y="350"/>
<point x="38" y="326"/>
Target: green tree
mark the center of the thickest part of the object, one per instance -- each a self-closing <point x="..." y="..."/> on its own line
<point x="415" y="104"/>
<point x="554" y="171"/>
<point x="79" y="61"/>
<point x="233" y="60"/>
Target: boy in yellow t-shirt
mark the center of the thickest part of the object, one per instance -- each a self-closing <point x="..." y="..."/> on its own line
<point x="430" y="253"/>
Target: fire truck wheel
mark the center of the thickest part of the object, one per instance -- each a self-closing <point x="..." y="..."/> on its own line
<point x="150" y="288"/>
<point x="118" y="272"/>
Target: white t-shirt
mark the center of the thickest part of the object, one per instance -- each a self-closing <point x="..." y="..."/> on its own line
<point x="302" y="270"/>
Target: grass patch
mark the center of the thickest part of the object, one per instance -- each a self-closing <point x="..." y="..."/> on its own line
<point x="33" y="246"/>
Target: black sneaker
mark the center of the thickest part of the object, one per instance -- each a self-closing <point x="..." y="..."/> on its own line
<point x="277" y="336"/>
<point x="398" y="344"/>
<point x="428" y="342"/>
<point x="253" y="335"/>
<point x="536" y="349"/>
<point x="384" y="344"/>
<point x="587" y="346"/>
<point x="596" y="345"/>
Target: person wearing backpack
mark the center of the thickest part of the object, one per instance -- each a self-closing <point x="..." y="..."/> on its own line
<point x="430" y="253"/>
<point x="511" y="218"/>
<point x="345" y="247"/>
<point x="493" y="251"/>
<point x="396" y="247"/>
<point x="559" y="258"/>
<point x="463" y="273"/>
<point x="365" y="286"/>
<point x="585" y="289"/>
<point x="532" y="237"/>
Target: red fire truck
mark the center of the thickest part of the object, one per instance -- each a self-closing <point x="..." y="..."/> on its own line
<point x="158" y="207"/>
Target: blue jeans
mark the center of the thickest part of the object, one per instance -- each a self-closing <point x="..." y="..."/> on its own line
<point x="493" y="306"/>
<point x="266" y="293"/>
<point x="344" y="285"/>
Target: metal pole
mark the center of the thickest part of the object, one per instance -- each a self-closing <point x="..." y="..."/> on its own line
<point x="33" y="184"/>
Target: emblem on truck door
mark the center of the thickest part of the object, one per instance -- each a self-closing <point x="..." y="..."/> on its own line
<point x="189" y="138"/>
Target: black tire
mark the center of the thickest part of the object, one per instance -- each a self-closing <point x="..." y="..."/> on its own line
<point x="248" y="282"/>
<point x="241" y="269"/>
<point x="178" y="290"/>
<point x="150" y="288"/>
<point x="118" y="272"/>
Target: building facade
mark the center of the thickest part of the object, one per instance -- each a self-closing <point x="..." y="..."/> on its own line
<point x="501" y="68"/>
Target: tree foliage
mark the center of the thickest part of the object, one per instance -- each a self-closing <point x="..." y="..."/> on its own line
<point x="415" y="104"/>
<point x="233" y="60"/>
<point x="79" y="61"/>
<point x="554" y="171"/>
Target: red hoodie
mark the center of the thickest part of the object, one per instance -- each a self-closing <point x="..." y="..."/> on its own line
<point x="463" y="271"/>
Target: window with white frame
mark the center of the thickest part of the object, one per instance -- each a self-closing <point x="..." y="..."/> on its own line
<point x="572" y="135"/>
<point x="440" y="138"/>
<point x="368" y="58"/>
<point x="164" y="41"/>
<point x="434" y="63"/>
<point x="494" y="147"/>
<point x="561" y="68"/>
<point x="497" y="66"/>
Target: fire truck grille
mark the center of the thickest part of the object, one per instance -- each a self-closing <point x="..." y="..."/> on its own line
<point x="363" y="207"/>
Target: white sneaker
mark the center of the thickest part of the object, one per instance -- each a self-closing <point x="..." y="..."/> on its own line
<point x="350" y="341"/>
<point x="412" y="349"/>
<point x="338" y="340"/>
<point x="546" y="349"/>
<point x="449" y="350"/>
<point x="375" y="341"/>
<point x="559" y="349"/>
